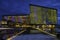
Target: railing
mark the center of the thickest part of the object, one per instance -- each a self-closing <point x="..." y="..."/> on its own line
<point x="33" y="28"/>
<point x="39" y="27"/>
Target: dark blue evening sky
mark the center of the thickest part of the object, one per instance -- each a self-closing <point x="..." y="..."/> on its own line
<point x="11" y="7"/>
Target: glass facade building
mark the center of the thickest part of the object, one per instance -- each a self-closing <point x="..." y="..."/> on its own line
<point x="42" y="15"/>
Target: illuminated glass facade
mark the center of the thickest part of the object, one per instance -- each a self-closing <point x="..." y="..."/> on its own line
<point x="20" y="19"/>
<point x="42" y="15"/>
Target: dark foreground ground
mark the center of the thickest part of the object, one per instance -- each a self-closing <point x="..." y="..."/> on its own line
<point x="35" y="37"/>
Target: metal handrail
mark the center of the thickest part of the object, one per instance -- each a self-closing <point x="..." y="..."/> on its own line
<point x="16" y="35"/>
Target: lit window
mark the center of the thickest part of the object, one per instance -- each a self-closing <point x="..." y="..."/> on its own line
<point x="17" y="25"/>
<point x="3" y="22"/>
